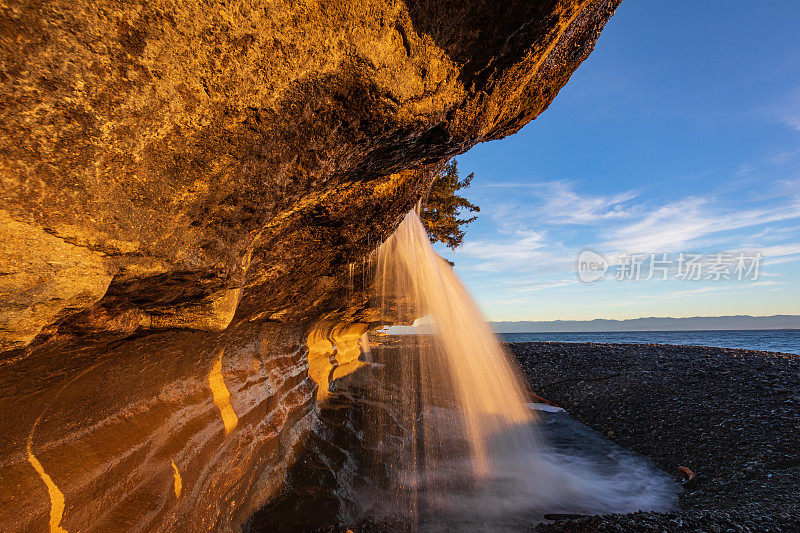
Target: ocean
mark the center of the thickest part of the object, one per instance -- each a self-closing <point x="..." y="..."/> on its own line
<point x="769" y="340"/>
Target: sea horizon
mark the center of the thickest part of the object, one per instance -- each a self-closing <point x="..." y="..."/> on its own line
<point x="786" y="340"/>
<point x="694" y="323"/>
<point x="649" y="331"/>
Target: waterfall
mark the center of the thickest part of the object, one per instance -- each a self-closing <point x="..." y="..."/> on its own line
<point x="459" y="443"/>
<point x="462" y="365"/>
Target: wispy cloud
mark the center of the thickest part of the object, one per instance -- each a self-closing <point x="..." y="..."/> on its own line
<point x="532" y="287"/>
<point x="765" y="284"/>
<point x="539" y="229"/>
<point x="681" y="224"/>
<point x="717" y="288"/>
<point x="557" y="202"/>
<point x="787" y="110"/>
<point x="566" y="206"/>
<point x="691" y="292"/>
<point x="665" y="229"/>
<point x="773" y="234"/>
<point x="782" y="260"/>
<point x="784" y="157"/>
<point x="521" y="250"/>
<point x="780" y="250"/>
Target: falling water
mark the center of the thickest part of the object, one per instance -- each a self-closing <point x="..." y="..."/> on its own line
<point x="468" y="449"/>
<point x="462" y="363"/>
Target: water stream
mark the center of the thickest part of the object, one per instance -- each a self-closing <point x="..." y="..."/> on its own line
<point x="471" y="450"/>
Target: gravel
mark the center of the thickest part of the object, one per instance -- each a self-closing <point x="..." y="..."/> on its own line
<point x="730" y="416"/>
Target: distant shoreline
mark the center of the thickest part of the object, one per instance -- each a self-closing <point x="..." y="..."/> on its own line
<point x="652" y="324"/>
<point x="646" y="331"/>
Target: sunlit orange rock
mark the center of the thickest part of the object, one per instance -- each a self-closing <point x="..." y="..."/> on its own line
<point x="182" y="180"/>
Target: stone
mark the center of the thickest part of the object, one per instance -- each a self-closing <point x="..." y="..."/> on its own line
<point x="43" y="279"/>
<point x="182" y="180"/>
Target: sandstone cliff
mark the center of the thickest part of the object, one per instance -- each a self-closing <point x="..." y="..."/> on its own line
<point x="184" y="188"/>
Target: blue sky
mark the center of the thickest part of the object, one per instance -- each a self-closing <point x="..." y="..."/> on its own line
<point x="680" y="133"/>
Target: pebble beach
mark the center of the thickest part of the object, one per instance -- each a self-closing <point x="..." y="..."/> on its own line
<point x="731" y="417"/>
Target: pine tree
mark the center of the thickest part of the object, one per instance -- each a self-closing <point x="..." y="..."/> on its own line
<point x="440" y="212"/>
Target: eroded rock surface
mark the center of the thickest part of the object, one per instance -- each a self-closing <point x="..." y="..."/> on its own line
<point x="182" y="180"/>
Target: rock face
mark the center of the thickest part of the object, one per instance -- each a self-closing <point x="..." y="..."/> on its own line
<point x="185" y="187"/>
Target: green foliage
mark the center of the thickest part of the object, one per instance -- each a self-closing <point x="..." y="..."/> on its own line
<point x="440" y="212"/>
